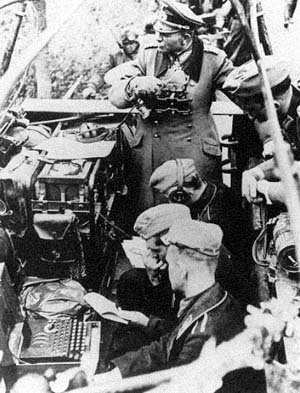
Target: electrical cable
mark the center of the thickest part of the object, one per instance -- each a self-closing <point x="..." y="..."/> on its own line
<point x="115" y="226"/>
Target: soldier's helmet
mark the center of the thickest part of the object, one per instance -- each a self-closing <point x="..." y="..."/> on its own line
<point x="128" y="34"/>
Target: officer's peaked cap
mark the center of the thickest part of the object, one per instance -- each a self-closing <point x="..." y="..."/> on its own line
<point x="175" y="16"/>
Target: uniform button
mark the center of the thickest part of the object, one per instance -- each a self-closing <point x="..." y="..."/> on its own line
<point x="156" y="136"/>
<point x="189" y="139"/>
<point x="155" y="121"/>
<point x="190" y="125"/>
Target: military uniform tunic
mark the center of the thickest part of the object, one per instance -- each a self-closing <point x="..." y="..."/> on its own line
<point x="165" y="137"/>
<point x="212" y="313"/>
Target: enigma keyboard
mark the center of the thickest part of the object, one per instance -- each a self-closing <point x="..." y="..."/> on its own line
<point x="59" y="340"/>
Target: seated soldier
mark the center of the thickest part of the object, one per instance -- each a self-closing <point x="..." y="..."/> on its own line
<point x="205" y="310"/>
<point x="179" y="181"/>
<point x="146" y="293"/>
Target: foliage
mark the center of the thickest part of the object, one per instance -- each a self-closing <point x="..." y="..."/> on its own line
<point x="83" y="45"/>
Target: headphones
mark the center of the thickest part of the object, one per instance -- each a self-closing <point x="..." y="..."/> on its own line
<point x="179" y="195"/>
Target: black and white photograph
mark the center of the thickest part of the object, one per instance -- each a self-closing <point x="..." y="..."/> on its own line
<point x="149" y="196"/>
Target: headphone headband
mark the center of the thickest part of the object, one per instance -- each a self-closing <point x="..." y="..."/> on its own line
<point x="179" y="195"/>
<point x="180" y="174"/>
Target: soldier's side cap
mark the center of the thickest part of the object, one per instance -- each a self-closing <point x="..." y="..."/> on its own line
<point x="166" y="176"/>
<point x="158" y="219"/>
<point x="202" y="237"/>
<point x="175" y="16"/>
<point x="245" y="79"/>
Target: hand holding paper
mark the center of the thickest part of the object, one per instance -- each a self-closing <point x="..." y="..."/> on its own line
<point x="104" y="307"/>
<point x="135" y="317"/>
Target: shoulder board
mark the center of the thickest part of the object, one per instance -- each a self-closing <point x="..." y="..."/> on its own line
<point x="211" y="49"/>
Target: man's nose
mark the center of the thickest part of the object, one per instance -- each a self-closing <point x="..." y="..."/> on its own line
<point x="159" y="37"/>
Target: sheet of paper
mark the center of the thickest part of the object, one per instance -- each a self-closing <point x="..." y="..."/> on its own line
<point x="104" y="307"/>
<point x="135" y="249"/>
<point x="67" y="149"/>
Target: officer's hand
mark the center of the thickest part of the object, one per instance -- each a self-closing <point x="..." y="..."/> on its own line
<point x="135" y="317"/>
<point x="144" y="85"/>
<point x="263" y="187"/>
<point x="89" y="92"/>
<point x="249" y="183"/>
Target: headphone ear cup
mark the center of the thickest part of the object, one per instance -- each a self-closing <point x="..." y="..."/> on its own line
<point x="179" y="196"/>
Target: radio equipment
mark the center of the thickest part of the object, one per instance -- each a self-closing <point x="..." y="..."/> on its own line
<point x="66" y="185"/>
<point x="54" y="199"/>
<point x="284" y="243"/>
<point x="280" y="244"/>
<point x="70" y="194"/>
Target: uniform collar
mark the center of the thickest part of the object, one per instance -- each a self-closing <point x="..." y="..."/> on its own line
<point x="199" y="304"/>
<point x="191" y="62"/>
<point x="205" y="199"/>
<point x="182" y="56"/>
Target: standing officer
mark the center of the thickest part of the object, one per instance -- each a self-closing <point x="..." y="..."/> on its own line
<point x="175" y="80"/>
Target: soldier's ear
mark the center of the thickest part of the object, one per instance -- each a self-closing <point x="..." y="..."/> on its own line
<point x="187" y="36"/>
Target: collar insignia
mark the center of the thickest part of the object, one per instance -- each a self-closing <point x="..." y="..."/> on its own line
<point x="184" y="326"/>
